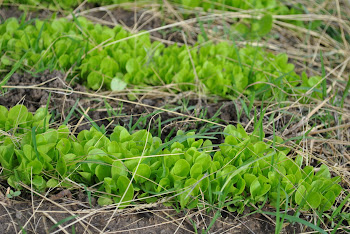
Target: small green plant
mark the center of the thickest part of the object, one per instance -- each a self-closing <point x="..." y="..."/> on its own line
<point x="13" y="194"/>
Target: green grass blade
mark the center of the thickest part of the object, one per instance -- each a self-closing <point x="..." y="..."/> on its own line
<point x="345" y="94"/>
<point x="324" y="81"/>
<point x="342" y="204"/>
<point x="34" y="143"/>
<point x="13" y="70"/>
<point x="62" y="221"/>
<point x="299" y="220"/>
<point x="91" y="121"/>
<point x="70" y="112"/>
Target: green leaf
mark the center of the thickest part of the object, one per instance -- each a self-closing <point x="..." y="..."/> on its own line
<point x="117" y="84"/>
<point x="190" y="3"/>
<point x="39" y="182"/>
<point x="204" y="160"/>
<point x="63" y="61"/>
<point x="62" y="221"/>
<point x="102" y="171"/>
<point x="249" y="179"/>
<point x="51" y="183"/>
<point x="327" y="201"/>
<point x="104" y="201"/>
<point x="94" y="80"/>
<point x="16" y="193"/>
<point x="6" y="61"/>
<point x="34" y="167"/>
<point x="61" y="166"/>
<point x="163" y="184"/>
<point x="300" y="194"/>
<point x="143" y="172"/>
<point x="265" y="24"/>
<point x="18" y="115"/>
<point x="118" y="169"/>
<point x="196" y="170"/>
<point x="323" y="172"/>
<point x="63" y="146"/>
<point x="126" y="191"/>
<point x="109" y="66"/>
<point x="132" y="66"/>
<point x="313" y="199"/>
<point x="110" y="185"/>
<point x="181" y="168"/>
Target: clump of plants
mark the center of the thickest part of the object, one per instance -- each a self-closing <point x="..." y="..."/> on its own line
<point x="129" y="166"/>
<point x="269" y="6"/>
<point x="220" y="69"/>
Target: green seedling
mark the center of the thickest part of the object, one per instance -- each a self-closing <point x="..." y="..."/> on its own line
<point x="13" y="194"/>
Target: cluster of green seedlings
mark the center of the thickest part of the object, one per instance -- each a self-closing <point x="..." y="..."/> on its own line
<point x="248" y="28"/>
<point x="231" y="5"/>
<point x="221" y="69"/>
<point x="126" y="167"/>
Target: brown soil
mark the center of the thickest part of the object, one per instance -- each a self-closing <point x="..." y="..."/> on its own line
<point x="13" y="11"/>
<point x="34" y="98"/>
<point x="41" y="215"/>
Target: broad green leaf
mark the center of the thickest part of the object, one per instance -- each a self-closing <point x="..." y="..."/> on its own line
<point x="313" y="199"/>
<point x="255" y="188"/>
<point x="51" y="183"/>
<point x="126" y="191"/>
<point x="265" y="25"/>
<point x="18" y="115"/>
<point x="163" y="184"/>
<point x="300" y="194"/>
<point x="196" y="170"/>
<point x="118" y="84"/>
<point x="61" y="166"/>
<point x="118" y="169"/>
<point x="110" y="185"/>
<point x="142" y="174"/>
<point x="323" y="172"/>
<point x="181" y="168"/>
<point x="103" y="171"/>
<point x="63" y="131"/>
<point x="94" y="80"/>
<point x="86" y="175"/>
<point x="104" y="201"/>
<point x="327" y="201"/>
<point x="249" y="179"/>
<point x="204" y="160"/>
<point x="190" y="3"/>
<point x="63" y="146"/>
<point x="132" y="66"/>
<point x="34" y="167"/>
<point x="39" y="182"/>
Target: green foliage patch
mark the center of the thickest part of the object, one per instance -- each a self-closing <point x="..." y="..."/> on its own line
<point x="127" y="166"/>
<point x="220" y="69"/>
<point x="227" y="5"/>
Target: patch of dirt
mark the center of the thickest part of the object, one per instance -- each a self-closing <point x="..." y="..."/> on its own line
<point x="33" y="97"/>
<point x="13" y="11"/>
<point x="42" y="215"/>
